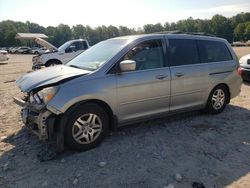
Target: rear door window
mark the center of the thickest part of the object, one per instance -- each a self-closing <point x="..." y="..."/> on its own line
<point x="182" y="52"/>
<point x="78" y="45"/>
<point x="213" y="51"/>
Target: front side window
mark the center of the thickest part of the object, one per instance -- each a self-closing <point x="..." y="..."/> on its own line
<point x="64" y="46"/>
<point x="183" y="52"/>
<point x="147" y="55"/>
<point x="213" y="51"/>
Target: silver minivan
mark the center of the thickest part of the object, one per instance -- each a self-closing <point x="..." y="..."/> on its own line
<point x="125" y="80"/>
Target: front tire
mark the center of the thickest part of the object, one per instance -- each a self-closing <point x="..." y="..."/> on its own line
<point x="86" y="127"/>
<point x="217" y="100"/>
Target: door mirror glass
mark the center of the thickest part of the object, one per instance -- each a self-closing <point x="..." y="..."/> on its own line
<point x="127" y="65"/>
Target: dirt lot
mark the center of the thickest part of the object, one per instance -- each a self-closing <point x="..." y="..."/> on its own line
<point x="214" y="150"/>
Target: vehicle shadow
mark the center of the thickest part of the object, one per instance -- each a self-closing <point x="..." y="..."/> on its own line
<point x="212" y="149"/>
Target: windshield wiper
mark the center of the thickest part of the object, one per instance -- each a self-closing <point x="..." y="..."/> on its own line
<point x="75" y="66"/>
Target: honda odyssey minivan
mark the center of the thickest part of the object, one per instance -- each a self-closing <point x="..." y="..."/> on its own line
<point x="125" y="80"/>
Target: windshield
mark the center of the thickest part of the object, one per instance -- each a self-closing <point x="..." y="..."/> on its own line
<point x="64" y="46"/>
<point x="98" y="54"/>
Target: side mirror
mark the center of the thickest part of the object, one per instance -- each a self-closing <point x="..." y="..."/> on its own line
<point x="127" y="65"/>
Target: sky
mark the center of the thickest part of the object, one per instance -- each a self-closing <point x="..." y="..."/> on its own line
<point x="131" y="13"/>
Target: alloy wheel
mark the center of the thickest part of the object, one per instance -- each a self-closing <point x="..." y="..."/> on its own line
<point x="87" y="128"/>
<point x="218" y="99"/>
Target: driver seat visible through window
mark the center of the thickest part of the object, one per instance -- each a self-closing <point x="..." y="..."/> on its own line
<point x="148" y="55"/>
<point x="153" y="59"/>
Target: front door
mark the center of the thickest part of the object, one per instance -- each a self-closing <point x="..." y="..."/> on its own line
<point x="145" y="91"/>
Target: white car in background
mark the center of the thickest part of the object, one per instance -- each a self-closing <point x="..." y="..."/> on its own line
<point x="4" y="55"/>
<point x="39" y="50"/>
<point x="61" y="55"/>
<point x="13" y="50"/>
<point x="245" y="67"/>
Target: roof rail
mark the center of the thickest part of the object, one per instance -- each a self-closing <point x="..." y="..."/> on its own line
<point x="188" y="33"/>
<point x="169" y="32"/>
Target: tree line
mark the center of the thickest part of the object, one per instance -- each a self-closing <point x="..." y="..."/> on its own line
<point x="236" y="28"/>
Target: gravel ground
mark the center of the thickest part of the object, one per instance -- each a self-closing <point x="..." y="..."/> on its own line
<point x="177" y="150"/>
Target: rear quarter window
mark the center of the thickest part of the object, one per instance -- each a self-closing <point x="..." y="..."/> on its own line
<point x="213" y="51"/>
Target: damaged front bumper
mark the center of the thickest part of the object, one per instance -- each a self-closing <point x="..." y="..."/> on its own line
<point x="37" y="118"/>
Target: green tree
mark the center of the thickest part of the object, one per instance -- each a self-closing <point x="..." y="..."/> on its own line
<point x="62" y="34"/>
<point x="78" y="31"/>
<point x="35" y="28"/>
<point x="240" y="18"/>
<point x="50" y="32"/>
<point x="188" y="25"/>
<point x="8" y="32"/>
<point x="153" y="28"/>
<point x="203" y="26"/>
<point x="124" y="31"/>
<point x="239" y="32"/>
<point x="237" y="27"/>
<point x="247" y="31"/>
<point x="221" y="27"/>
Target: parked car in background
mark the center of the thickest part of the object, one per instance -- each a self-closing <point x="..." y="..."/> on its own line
<point x="125" y="80"/>
<point x="245" y="67"/>
<point x="39" y="51"/>
<point x="4" y="48"/>
<point x="13" y="50"/>
<point x="4" y="55"/>
<point x="23" y="50"/>
<point x="33" y="48"/>
<point x="60" y="55"/>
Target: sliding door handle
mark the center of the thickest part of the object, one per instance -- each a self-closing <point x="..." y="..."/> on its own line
<point x="161" y="77"/>
<point x="179" y="74"/>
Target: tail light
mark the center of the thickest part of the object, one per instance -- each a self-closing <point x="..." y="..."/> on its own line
<point x="239" y="71"/>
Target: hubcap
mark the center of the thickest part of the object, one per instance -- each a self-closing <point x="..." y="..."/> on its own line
<point x="218" y="99"/>
<point x="87" y="128"/>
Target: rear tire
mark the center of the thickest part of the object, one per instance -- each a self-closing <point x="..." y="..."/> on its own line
<point x="86" y="127"/>
<point x="217" y="100"/>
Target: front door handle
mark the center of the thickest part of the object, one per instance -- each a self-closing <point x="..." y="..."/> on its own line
<point x="161" y="77"/>
<point x="179" y="74"/>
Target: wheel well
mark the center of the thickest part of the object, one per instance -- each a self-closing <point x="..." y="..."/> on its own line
<point x="53" y="60"/>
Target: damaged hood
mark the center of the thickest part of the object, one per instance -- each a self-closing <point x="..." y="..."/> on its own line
<point x="48" y="76"/>
<point x="45" y="44"/>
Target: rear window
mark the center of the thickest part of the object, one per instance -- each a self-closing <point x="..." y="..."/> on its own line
<point x="183" y="52"/>
<point x="213" y="51"/>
